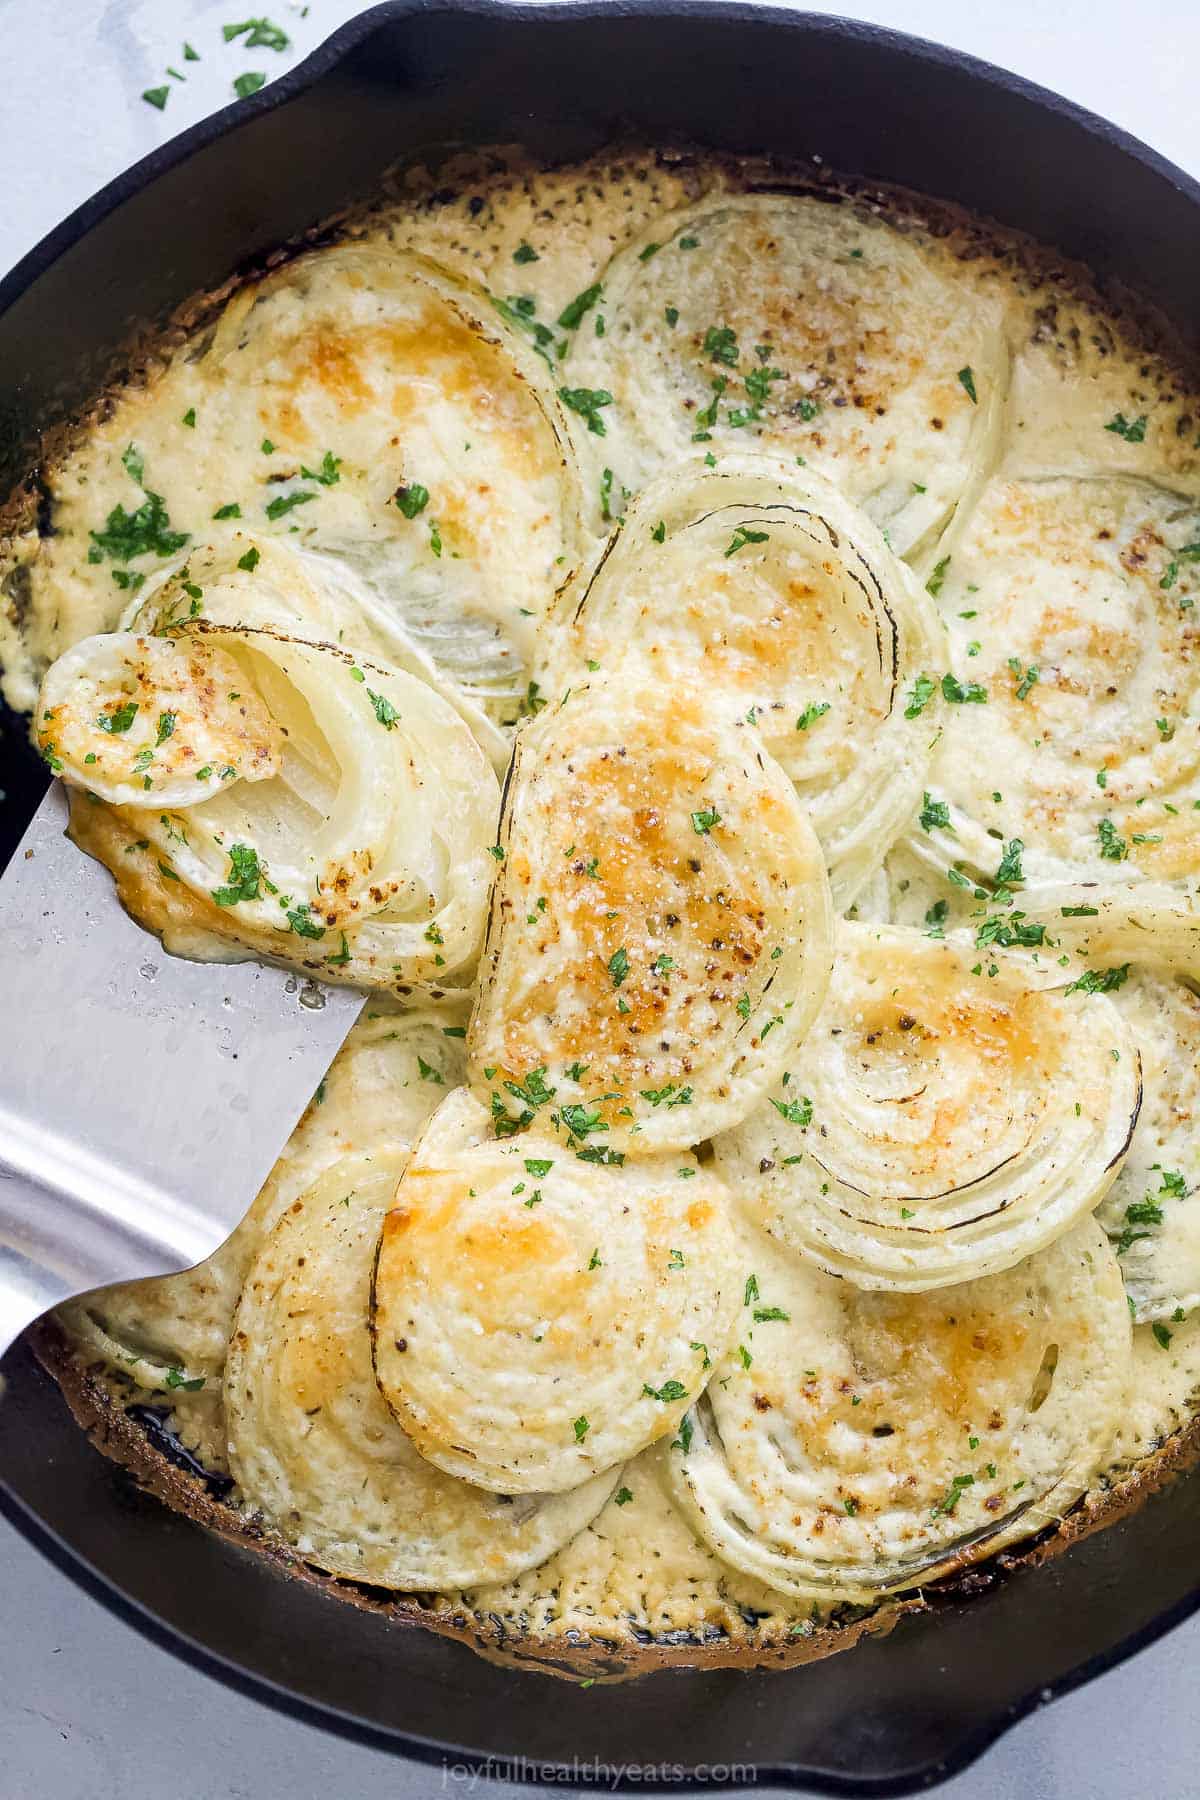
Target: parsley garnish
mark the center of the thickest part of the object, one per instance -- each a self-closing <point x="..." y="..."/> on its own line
<point x="176" y="1379"/>
<point x="1100" y="981"/>
<point x="937" y="580"/>
<point x="721" y="345"/>
<point x="618" y="966"/>
<point x="303" y="924"/>
<point x="412" y="499"/>
<point x="119" y="720"/>
<point x="796" y="1112"/>
<point x="1132" y="430"/>
<point x="959" y="694"/>
<point x="587" y="402"/>
<point x="572" y="314"/>
<point x="286" y="503"/>
<point x="1009" y="873"/>
<point x="703" y="822"/>
<point x="249" y="83"/>
<point x="670" y="1390"/>
<point x="244" y="877"/>
<point x="816" y="709"/>
<point x="934" y="815"/>
<point x="385" y="712"/>
<point x="1026" y="680"/>
<point x="129" y="534"/>
<point x="329" y="471"/>
<point x="922" y="692"/>
<point x="743" y="536"/>
<point x="1113" y="847"/>
<point x="967" y="377"/>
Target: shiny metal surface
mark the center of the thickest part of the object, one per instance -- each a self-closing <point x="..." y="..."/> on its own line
<point x="143" y="1099"/>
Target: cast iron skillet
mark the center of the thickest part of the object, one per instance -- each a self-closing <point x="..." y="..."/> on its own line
<point x="893" y="1714"/>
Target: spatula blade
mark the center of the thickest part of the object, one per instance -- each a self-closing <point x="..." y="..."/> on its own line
<point x="143" y="1098"/>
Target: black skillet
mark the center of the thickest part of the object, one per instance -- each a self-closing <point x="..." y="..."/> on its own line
<point x="566" y="79"/>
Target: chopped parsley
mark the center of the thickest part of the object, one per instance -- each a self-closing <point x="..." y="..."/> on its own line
<point x="670" y="1390"/>
<point x="743" y="536"/>
<point x="587" y="402"/>
<point x="328" y="473"/>
<point x="1026" y="679"/>
<point x="618" y="966"/>
<point x="721" y="345"/>
<point x="304" y="925"/>
<point x="411" y="499"/>
<point x="796" y="1112"/>
<point x="1113" y="847"/>
<point x="816" y="709"/>
<point x="385" y="712"/>
<point x="934" y="814"/>
<point x="119" y="720"/>
<point x="922" y="692"/>
<point x="175" y="1378"/>
<point x="703" y="822"/>
<point x="286" y="503"/>
<point x="967" y="377"/>
<point x="937" y="580"/>
<point x="129" y="534"/>
<point x="960" y="693"/>
<point x="1100" y="981"/>
<point x="1132" y="430"/>
<point x="572" y="314"/>
<point x="244" y="877"/>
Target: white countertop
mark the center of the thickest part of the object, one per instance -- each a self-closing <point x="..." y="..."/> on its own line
<point x="93" y="1711"/>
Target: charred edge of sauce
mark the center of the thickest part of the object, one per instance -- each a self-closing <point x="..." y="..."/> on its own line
<point x="124" y="1440"/>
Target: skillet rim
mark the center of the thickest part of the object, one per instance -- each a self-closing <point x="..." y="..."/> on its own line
<point x="306" y="75"/>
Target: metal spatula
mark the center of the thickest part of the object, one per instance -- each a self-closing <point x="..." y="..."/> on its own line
<point x="143" y="1098"/>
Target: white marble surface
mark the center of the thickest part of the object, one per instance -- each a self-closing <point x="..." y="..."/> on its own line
<point x="92" y="1711"/>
